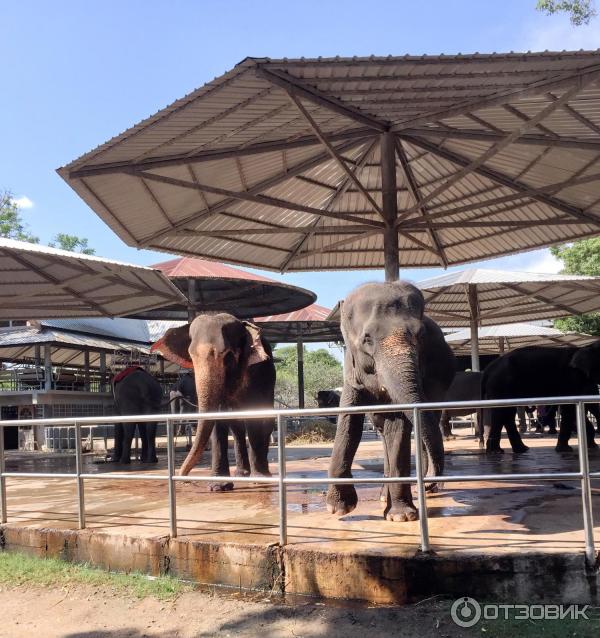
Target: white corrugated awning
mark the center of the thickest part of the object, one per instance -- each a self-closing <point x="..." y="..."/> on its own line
<point x="277" y="163"/>
<point x="493" y="296"/>
<point x="502" y="338"/>
<point x="37" y="282"/>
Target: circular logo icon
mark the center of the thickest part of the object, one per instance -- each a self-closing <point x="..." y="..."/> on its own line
<point x="465" y="612"/>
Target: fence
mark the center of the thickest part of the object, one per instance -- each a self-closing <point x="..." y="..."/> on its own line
<point x="282" y="480"/>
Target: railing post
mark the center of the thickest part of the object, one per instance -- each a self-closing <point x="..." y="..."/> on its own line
<point x="79" y="472"/>
<point x="423" y="521"/>
<point x="281" y="432"/>
<point x="172" y="487"/>
<point x="3" y="513"/>
<point x="586" y="488"/>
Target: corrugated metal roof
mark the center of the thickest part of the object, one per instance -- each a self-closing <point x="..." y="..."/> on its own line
<point x="37" y="282"/>
<point x="501" y="338"/>
<point x="314" y="312"/>
<point x="508" y="296"/>
<point x="499" y="155"/>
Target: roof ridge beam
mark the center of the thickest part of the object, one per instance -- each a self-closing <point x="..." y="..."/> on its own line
<point x="503" y="97"/>
<point x="505" y="180"/>
<point x="290" y="83"/>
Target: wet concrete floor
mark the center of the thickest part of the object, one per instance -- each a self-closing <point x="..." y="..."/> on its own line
<point x="481" y="517"/>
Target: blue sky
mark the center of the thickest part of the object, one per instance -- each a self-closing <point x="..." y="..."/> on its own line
<point x="76" y="73"/>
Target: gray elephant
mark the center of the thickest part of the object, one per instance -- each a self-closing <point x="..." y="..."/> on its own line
<point x="394" y="354"/>
<point x="466" y="386"/>
<point x="233" y="369"/>
<point x="136" y="392"/>
<point x="540" y="371"/>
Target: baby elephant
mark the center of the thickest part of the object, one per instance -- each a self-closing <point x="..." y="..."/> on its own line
<point x="394" y="354"/>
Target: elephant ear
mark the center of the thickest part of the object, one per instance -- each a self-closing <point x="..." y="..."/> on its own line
<point x="174" y="346"/>
<point x="258" y="354"/>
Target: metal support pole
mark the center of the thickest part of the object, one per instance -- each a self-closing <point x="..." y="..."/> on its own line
<point x="474" y="308"/>
<point x="79" y="472"/>
<point x="191" y="294"/>
<point x="586" y="487"/>
<point x="102" y="372"/>
<point x="171" y="471"/>
<point x="300" y="350"/>
<point x="86" y="370"/>
<point x="3" y="512"/>
<point x="423" y="521"/>
<point x="47" y="367"/>
<point x="281" y="432"/>
<point x="389" y="195"/>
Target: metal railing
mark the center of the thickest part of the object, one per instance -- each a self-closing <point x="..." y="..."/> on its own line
<point x="283" y="481"/>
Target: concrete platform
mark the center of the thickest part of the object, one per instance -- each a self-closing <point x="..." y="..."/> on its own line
<point x="494" y="540"/>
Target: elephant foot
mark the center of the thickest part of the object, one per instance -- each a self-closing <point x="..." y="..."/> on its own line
<point x="341" y="499"/>
<point x="562" y="448"/>
<point x="539" y="430"/>
<point x="383" y="495"/>
<point x="241" y="472"/>
<point x="432" y="488"/>
<point x="220" y="487"/>
<point x="494" y="450"/>
<point x="520" y="449"/>
<point x="125" y="460"/>
<point x="401" y="513"/>
<point x="261" y="473"/>
<point x="153" y="459"/>
<point x="552" y="431"/>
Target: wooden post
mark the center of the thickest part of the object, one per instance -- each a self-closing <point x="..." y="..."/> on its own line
<point x="390" y="207"/>
<point x="501" y="345"/>
<point x="191" y="293"/>
<point x="86" y="370"/>
<point x="474" y="308"/>
<point x="300" y="371"/>
<point x="47" y="367"/>
<point x="102" y="371"/>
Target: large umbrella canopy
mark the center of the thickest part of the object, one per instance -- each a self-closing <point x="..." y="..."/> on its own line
<point x="481" y="297"/>
<point x="502" y="338"/>
<point x="339" y="163"/>
<point x="37" y="282"/>
<point x="307" y="325"/>
<point x="211" y="286"/>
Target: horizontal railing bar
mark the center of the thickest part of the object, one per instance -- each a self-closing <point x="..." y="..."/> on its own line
<point x="126" y="477"/>
<point x="40" y="475"/>
<point x="227" y="479"/>
<point x="293" y="412"/>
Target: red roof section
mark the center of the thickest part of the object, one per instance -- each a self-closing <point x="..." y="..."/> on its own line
<point x="192" y="267"/>
<point x="314" y="312"/>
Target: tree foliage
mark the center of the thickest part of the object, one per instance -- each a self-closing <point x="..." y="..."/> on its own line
<point x="580" y="11"/>
<point x="580" y="258"/>
<point x="322" y="371"/>
<point x="12" y="225"/>
<point x="72" y="243"/>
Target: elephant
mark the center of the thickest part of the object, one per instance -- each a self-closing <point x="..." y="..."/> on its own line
<point x="540" y="371"/>
<point x="136" y="392"/>
<point x="233" y="369"/>
<point x="466" y="386"/>
<point x="329" y="399"/>
<point x="394" y="354"/>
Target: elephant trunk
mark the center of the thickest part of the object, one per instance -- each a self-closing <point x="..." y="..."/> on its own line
<point x="398" y="364"/>
<point x="208" y="392"/>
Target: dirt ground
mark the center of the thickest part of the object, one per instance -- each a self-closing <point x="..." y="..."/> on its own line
<point x="86" y="612"/>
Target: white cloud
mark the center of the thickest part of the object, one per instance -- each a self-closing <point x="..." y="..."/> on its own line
<point x="23" y="202"/>
<point x="545" y="263"/>
<point x="557" y="34"/>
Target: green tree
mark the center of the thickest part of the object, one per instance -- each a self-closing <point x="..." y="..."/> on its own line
<point x="321" y="372"/>
<point x="580" y="258"/>
<point x="12" y="225"/>
<point x="72" y="243"/>
<point x="580" y="11"/>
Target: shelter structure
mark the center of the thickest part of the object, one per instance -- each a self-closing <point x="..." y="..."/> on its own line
<point x="480" y="297"/>
<point x="375" y="162"/>
<point x="494" y="340"/>
<point x="212" y="286"/>
<point x="38" y="282"/>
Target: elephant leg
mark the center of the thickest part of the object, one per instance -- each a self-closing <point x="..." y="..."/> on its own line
<point x="342" y="499"/>
<point x="220" y="459"/>
<point x="516" y="442"/>
<point x="378" y="422"/>
<point x="242" y="463"/>
<point x="128" y="432"/>
<point x="148" y="435"/>
<point x="399" y="506"/>
<point x="259" y="435"/>
<point x="522" y="419"/>
<point x="567" y="427"/>
<point x="118" y="449"/>
<point x="479" y="420"/>
<point x="445" y="426"/>
<point x="493" y="428"/>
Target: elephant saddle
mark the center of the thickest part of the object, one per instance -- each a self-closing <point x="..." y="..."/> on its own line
<point x="125" y="373"/>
